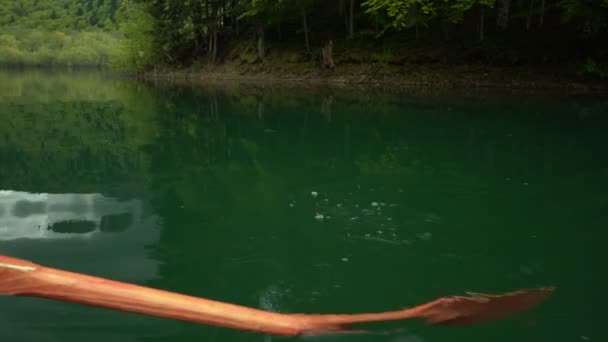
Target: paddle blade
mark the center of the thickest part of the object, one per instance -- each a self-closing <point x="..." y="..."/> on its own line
<point x="479" y="307"/>
<point x="454" y="310"/>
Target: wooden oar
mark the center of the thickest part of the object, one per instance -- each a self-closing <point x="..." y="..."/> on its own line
<point x="23" y="278"/>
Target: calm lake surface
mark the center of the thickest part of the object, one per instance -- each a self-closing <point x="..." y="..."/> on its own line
<point x="312" y="200"/>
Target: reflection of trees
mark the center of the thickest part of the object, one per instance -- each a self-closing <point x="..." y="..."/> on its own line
<point x="78" y="130"/>
<point x="86" y="141"/>
<point x="224" y="138"/>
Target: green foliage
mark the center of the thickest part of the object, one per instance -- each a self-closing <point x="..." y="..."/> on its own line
<point x="593" y="69"/>
<point x="59" y="33"/>
<point x="137" y="26"/>
<point x="457" y="9"/>
<point x="39" y="48"/>
<point x="59" y="15"/>
<point x="402" y="13"/>
<point x="268" y="11"/>
<point x="138" y="34"/>
<point x="590" y="16"/>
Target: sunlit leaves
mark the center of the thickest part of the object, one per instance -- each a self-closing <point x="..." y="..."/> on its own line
<point x="59" y="15"/>
<point x="40" y="48"/>
<point x="137" y="25"/>
<point x="403" y="13"/>
<point x="266" y="10"/>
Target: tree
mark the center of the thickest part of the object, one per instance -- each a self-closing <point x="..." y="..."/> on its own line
<point x="460" y="7"/>
<point x="351" y="19"/>
<point x="403" y="14"/>
<point x="264" y="13"/>
<point x="589" y="16"/>
<point x="502" y="19"/>
<point x="304" y="6"/>
<point x="138" y="27"/>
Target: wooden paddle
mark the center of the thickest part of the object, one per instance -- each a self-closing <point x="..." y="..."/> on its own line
<point x="23" y="278"/>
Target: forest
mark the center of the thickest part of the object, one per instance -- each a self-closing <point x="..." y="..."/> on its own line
<point x="147" y="34"/>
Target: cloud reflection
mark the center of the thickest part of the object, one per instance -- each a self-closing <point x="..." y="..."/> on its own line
<point x="26" y="215"/>
<point x="88" y="233"/>
<point x="81" y="232"/>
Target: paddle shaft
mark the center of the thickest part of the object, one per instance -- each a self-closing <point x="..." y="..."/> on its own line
<point x="21" y="278"/>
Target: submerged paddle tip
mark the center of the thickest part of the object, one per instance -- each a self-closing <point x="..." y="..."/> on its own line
<point x="481" y="307"/>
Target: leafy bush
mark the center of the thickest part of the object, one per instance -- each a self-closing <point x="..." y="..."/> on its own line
<point x="39" y="48"/>
<point x="594" y="69"/>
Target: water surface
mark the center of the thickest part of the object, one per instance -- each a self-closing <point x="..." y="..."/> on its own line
<point x="309" y="200"/>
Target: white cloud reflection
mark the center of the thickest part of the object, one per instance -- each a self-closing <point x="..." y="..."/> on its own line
<point x="26" y="215"/>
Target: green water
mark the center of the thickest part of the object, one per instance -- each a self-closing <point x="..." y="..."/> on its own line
<point x="210" y="190"/>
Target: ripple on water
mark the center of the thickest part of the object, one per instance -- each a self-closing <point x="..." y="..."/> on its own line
<point x="273" y="297"/>
<point x="377" y="220"/>
<point x="425" y="236"/>
<point x="407" y="338"/>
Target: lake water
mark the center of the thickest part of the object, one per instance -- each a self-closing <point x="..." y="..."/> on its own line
<point x="302" y="200"/>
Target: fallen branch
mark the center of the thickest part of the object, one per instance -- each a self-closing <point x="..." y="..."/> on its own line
<point x="23" y="278"/>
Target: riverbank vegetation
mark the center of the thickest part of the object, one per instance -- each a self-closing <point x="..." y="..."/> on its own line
<point x="296" y="35"/>
<point x="395" y="32"/>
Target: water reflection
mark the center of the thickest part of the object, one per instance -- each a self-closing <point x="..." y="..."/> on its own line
<point x="424" y="197"/>
<point x="52" y="228"/>
<point x="88" y="233"/>
<point x="62" y="216"/>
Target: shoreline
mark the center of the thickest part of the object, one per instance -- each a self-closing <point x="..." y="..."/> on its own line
<point x="468" y="78"/>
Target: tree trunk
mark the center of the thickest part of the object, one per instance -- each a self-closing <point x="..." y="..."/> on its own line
<point x="343" y="10"/>
<point x="210" y="47"/>
<point x="224" y="14"/>
<point x="261" y="49"/>
<point x="234" y="16"/>
<point x="482" y="14"/>
<point x="529" y="18"/>
<point x="305" y="26"/>
<point x="502" y="19"/>
<point x="214" y="53"/>
<point x="417" y="31"/>
<point x="351" y="20"/>
<point x="207" y="10"/>
<point x="236" y="26"/>
<point x="446" y="30"/>
<point x="376" y="24"/>
<point x="197" y="22"/>
<point x="541" y="18"/>
<point x="327" y="54"/>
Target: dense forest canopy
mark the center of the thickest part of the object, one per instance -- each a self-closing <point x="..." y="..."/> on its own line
<point x="147" y="33"/>
<point x="386" y="31"/>
<point x="59" y="15"/>
<point x="63" y="32"/>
